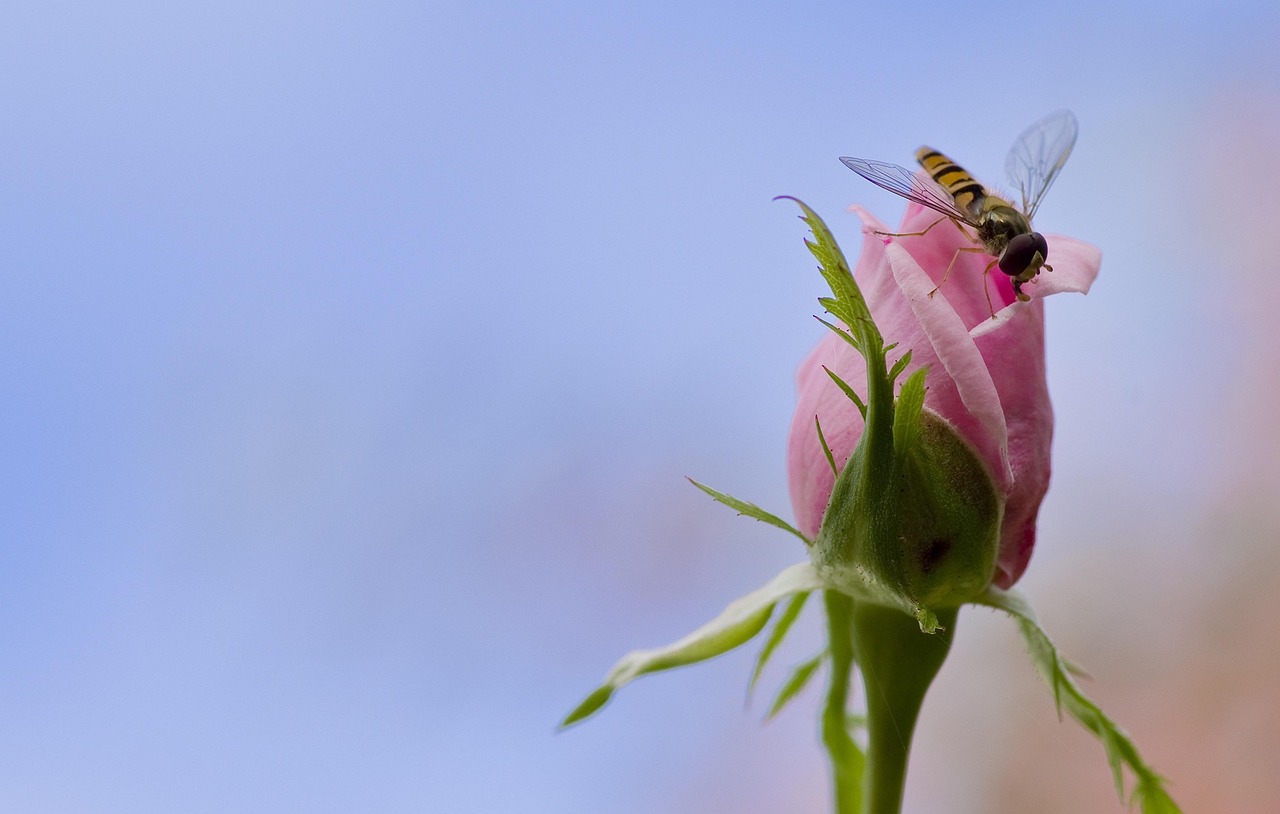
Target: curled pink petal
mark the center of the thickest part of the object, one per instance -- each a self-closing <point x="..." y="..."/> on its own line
<point x="1075" y="267"/>
<point x="964" y="365"/>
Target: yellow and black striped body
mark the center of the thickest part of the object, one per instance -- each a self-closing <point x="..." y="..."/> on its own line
<point x="997" y="222"/>
<point x="960" y="185"/>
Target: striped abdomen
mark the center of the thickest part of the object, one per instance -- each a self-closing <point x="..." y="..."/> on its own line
<point x="952" y="177"/>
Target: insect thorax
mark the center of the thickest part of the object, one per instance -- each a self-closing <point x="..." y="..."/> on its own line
<point x="998" y="223"/>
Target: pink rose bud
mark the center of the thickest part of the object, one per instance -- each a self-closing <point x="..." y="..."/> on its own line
<point x="967" y="496"/>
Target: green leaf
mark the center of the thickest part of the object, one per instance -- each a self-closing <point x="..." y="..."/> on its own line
<point x="738" y="623"/>
<point x="750" y="510"/>
<point x="906" y="415"/>
<point x="1056" y="671"/>
<point x="848" y="391"/>
<point x="826" y="450"/>
<point x="795" y="683"/>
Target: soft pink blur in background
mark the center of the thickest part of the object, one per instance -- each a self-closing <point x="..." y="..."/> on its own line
<point x="1179" y="630"/>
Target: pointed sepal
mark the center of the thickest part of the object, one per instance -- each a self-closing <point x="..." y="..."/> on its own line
<point x="780" y="630"/>
<point x="1149" y="791"/>
<point x="737" y="624"/>
<point x="745" y="509"/>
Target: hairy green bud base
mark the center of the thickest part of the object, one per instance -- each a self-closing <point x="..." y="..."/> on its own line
<point x="918" y="529"/>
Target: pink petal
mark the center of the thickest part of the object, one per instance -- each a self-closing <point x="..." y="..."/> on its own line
<point x="872" y="269"/>
<point x="808" y="473"/>
<point x="1015" y="357"/>
<point x="960" y="359"/>
<point x="1075" y="267"/>
<point x="974" y="290"/>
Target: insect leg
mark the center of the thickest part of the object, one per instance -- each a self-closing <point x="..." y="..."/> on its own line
<point x="952" y="264"/>
<point x="987" y="290"/>
<point x="918" y="234"/>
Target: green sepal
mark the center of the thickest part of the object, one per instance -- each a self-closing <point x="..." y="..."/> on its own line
<point x="855" y="549"/>
<point x="848" y="304"/>
<point x="840" y="332"/>
<point x="737" y="624"/>
<point x="1149" y="791"/>
<point x="795" y="683"/>
<point x="919" y="531"/>
<point x="780" y="630"/>
<point x="745" y="509"/>
<point x="906" y="415"/>
<point x="900" y="365"/>
<point x="848" y="391"/>
<point x="826" y="450"/>
<point x="952" y="511"/>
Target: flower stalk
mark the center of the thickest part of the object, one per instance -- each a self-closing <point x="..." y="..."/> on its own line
<point x="847" y="759"/>
<point x="898" y="663"/>
<point x="912" y="500"/>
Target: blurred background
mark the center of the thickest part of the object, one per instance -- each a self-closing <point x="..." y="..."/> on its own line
<point x="353" y="356"/>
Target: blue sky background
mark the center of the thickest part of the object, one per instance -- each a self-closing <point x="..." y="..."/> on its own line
<point x="354" y="354"/>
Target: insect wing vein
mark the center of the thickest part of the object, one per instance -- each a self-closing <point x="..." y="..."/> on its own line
<point x="912" y="186"/>
<point x="1038" y="156"/>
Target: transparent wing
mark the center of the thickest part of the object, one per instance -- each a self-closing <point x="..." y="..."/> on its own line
<point x="1038" y="155"/>
<point x="910" y="185"/>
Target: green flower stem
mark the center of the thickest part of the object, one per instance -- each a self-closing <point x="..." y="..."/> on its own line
<point x="898" y="664"/>
<point x="846" y="758"/>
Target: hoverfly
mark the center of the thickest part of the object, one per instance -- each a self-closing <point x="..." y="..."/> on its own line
<point x="1004" y="231"/>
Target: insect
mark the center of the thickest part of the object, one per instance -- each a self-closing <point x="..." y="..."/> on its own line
<point x="1004" y="231"/>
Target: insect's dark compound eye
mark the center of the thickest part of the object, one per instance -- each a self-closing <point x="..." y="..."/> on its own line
<point x="1020" y="254"/>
